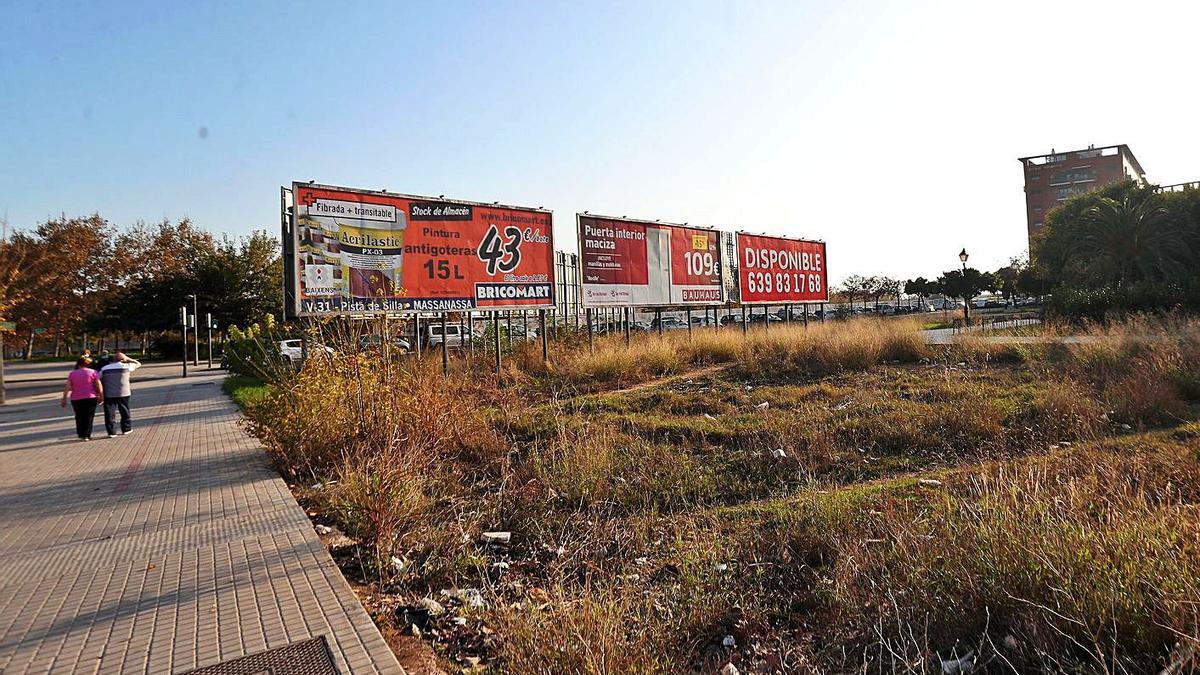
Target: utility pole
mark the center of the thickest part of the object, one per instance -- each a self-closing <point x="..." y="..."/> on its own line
<point x="208" y="323"/>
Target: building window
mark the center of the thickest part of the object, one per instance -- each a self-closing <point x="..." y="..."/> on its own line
<point x="1073" y="176"/>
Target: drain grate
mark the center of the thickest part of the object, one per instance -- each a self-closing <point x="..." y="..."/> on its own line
<point x="310" y="657"/>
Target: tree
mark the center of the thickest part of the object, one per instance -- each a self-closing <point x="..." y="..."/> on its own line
<point x="1006" y="279"/>
<point x="921" y="287"/>
<point x="880" y="287"/>
<point x="966" y="284"/>
<point x="1129" y="240"/>
<point x="1031" y="281"/>
<point x="242" y="280"/>
<point x="68" y="278"/>
<point x="855" y="286"/>
<point x="1124" y="247"/>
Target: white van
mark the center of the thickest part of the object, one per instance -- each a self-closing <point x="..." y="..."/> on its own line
<point x="455" y="336"/>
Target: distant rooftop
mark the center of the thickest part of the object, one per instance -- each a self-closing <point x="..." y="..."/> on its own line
<point x="1180" y="187"/>
<point x="1055" y="157"/>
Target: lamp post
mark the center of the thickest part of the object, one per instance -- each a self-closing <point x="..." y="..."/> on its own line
<point x="963" y="255"/>
<point x="195" y="316"/>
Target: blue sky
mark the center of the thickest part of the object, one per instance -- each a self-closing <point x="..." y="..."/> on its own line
<point x="889" y="129"/>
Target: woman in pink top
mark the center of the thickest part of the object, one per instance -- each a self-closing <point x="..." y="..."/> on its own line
<point x="84" y="388"/>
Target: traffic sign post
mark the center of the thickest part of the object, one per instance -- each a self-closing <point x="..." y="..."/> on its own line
<point x="5" y="325"/>
<point x="183" y="320"/>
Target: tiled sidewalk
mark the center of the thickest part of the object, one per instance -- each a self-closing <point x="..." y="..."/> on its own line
<point x="171" y="548"/>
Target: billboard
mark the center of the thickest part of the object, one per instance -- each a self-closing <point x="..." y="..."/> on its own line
<point x="625" y="262"/>
<point x="358" y="251"/>
<point x="778" y="270"/>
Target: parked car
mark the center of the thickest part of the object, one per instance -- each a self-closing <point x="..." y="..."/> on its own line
<point x="518" y="333"/>
<point x="760" y="318"/>
<point x="668" y="323"/>
<point x="292" y="351"/>
<point x="369" y="342"/>
<point x="455" y="336"/>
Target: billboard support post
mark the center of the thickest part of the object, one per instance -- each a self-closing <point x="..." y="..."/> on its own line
<point x="688" y="314"/>
<point x="445" y="349"/>
<point x="545" y="338"/>
<point x="658" y="320"/>
<point x="508" y="327"/>
<point x="745" y="324"/>
<point x="471" y="335"/>
<point x="806" y="316"/>
<point x="627" y="310"/>
<point x="822" y="312"/>
<point x="496" y="338"/>
<point x="766" y="317"/>
<point x="417" y="332"/>
<point x="591" y="343"/>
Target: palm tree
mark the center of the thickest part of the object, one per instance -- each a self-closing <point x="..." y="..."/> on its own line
<point x="1130" y="240"/>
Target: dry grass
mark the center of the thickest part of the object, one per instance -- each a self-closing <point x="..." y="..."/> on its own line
<point x="778" y="501"/>
<point x="1092" y="559"/>
<point x="780" y="351"/>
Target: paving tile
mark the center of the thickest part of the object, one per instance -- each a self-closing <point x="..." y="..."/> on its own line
<point x="174" y="547"/>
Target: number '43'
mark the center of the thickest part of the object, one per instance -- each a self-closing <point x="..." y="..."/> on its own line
<point x="501" y="253"/>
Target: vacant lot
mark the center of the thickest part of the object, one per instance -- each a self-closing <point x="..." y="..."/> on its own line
<point x="839" y="499"/>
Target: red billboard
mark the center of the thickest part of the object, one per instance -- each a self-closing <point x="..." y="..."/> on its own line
<point x="365" y="252"/>
<point x="778" y="270"/>
<point x="627" y="262"/>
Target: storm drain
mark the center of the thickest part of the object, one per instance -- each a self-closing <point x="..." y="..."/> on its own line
<point x="310" y="657"/>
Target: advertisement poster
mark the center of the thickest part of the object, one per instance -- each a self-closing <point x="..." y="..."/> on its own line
<point x="778" y="270"/>
<point x="367" y="252"/>
<point x="640" y="263"/>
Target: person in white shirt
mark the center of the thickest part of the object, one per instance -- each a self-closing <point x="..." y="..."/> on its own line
<point x="115" y="378"/>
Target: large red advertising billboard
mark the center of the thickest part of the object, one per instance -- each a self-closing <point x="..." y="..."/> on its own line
<point x="778" y="270"/>
<point x="365" y="252"/>
<point x="627" y="262"/>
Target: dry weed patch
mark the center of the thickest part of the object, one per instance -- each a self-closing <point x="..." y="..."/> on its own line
<point x="837" y="499"/>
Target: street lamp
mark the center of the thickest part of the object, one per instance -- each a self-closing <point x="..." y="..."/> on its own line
<point x="962" y="255"/>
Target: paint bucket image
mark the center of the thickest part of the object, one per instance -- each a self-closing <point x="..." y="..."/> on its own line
<point x="371" y="261"/>
<point x="329" y="233"/>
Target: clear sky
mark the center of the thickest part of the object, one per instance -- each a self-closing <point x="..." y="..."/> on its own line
<point x="889" y="129"/>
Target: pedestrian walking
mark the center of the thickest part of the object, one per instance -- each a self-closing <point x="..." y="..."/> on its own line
<point x="115" y="378"/>
<point x="86" y="392"/>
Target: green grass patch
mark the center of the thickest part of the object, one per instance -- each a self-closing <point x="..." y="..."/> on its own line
<point x="245" y="390"/>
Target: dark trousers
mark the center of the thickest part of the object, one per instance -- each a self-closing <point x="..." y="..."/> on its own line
<point x="85" y="413"/>
<point x="112" y="406"/>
